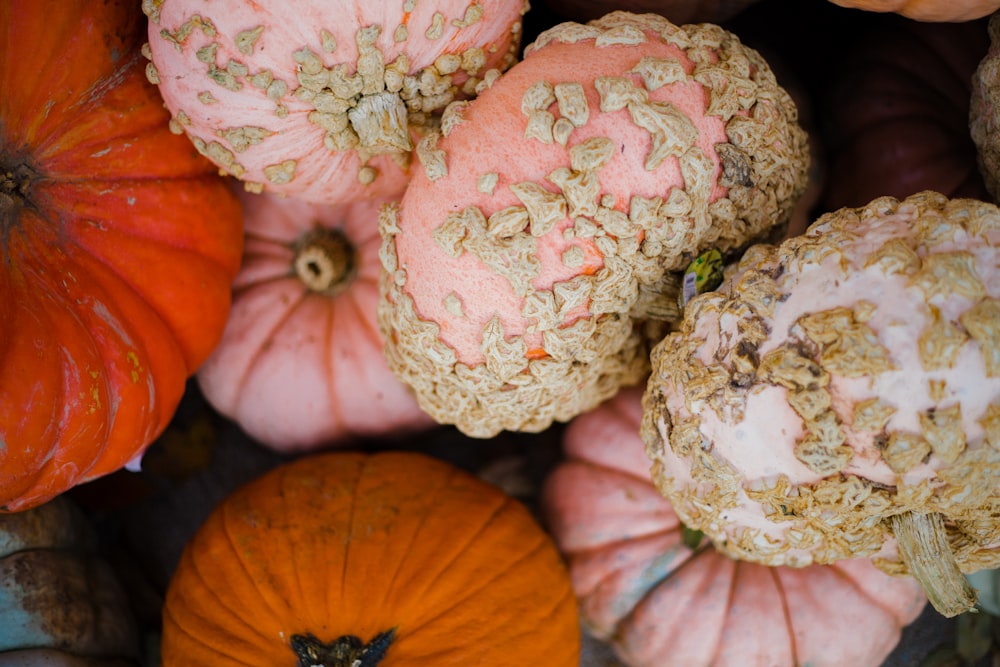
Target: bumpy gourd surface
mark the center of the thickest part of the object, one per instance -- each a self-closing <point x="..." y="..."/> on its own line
<point x="663" y="602"/>
<point x="321" y="100"/>
<point x="848" y="375"/>
<point x="541" y="233"/>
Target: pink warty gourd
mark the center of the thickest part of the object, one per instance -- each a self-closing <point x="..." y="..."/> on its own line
<point x="839" y="396"/>
<point x="553" y="214"/>
<point x="662" y="596"/>
<point x="322" y="99"/>
<point x="300" y="363"/>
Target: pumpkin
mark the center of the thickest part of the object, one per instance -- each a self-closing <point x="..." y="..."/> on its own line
<point x="983" y="121"/>
<point x="895" y="114"/>
<point x="927" y="10"/>
<point x="839" y="396"/>
<point x="553" y="215"/>
<point x="677" y="11"/>
<point x="322" y="100"/>
<point x="61" y="604"/>
<point x="300" y="362"/>
<point x="119" y="243"/>
<point x="347" y="558"/>
<point x="663" y="596"/>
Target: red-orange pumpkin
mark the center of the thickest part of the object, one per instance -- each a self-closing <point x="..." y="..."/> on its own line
<point x="118" y="244"/>
<point x="391" y="559"/>
<point x="661" y="601"/>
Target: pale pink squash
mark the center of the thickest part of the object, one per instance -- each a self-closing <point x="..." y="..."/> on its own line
<point x="554" y="213"/>
<point x="927" y="10"/>
<point x="321" y="99"/>
<point x="665" y="598"/>
<point x="300" y="363"/>
<point x="839" y="396"/>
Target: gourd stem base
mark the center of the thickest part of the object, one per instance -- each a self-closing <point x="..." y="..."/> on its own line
<point x="15" y="188"/>
<point x="345" y="651"/>
<point x="325" y="261"/>
<point x="924" y="548"/>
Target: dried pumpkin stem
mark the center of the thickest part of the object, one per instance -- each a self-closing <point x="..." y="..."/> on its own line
<point x="325" y="261"/>
<point x="924" y="548"/>
<point x="345" y="651"/>
<point x="15" y="186"/>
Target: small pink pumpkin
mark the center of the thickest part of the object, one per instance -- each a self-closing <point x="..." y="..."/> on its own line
<point x="300" y="363"/>
<point x="661" y="602"/>
<point x="322" y="99"/>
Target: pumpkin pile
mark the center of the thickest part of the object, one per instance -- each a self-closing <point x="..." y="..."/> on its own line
<point x="575" y="332"/>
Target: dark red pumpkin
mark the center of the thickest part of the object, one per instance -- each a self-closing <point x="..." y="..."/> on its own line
<point x="118" y="244"/>
<point x="896" y="112"/>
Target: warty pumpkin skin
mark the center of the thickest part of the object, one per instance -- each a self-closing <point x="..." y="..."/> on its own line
<point x="300" y="363"/>
<point x="984" y="120"/>
<point x="579" y="185"/>
<point x="60" y="603"/>
<point x="348" y="544"/>
<point x="118" y="244"/>
<point x="839" y="396"/>
<point x="662" y="602"/>
<point x="325" y="99"/>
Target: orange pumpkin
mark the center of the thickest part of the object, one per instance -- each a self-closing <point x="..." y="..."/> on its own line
<point x="118" y="242"/>
<point x="663" y="596"/>
<point x="389" y="559"/>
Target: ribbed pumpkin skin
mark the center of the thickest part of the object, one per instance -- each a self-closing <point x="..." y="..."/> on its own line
<point x="661" y="604"/>
<point x="348" y="543"/>
<point x="300" y="368"/>
<point x="117" y="242"/>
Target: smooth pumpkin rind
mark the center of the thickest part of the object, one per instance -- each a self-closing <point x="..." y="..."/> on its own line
<point x="116" y="277"/>
<point x="349" y="543"/>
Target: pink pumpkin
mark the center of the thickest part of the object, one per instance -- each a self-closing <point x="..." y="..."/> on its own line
<point x="321" y="99"/>
<point x="555" y="212"/>
<point x="662" y="601"/>
<point x="300" y="363"/>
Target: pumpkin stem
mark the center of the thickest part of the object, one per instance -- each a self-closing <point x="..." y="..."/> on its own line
<point x="324" y="260"/>
<point x="15" y="187"/>
<point x="345" y="651"/>
<point x="380" y="121"/>
<point x="924" y="548"/>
